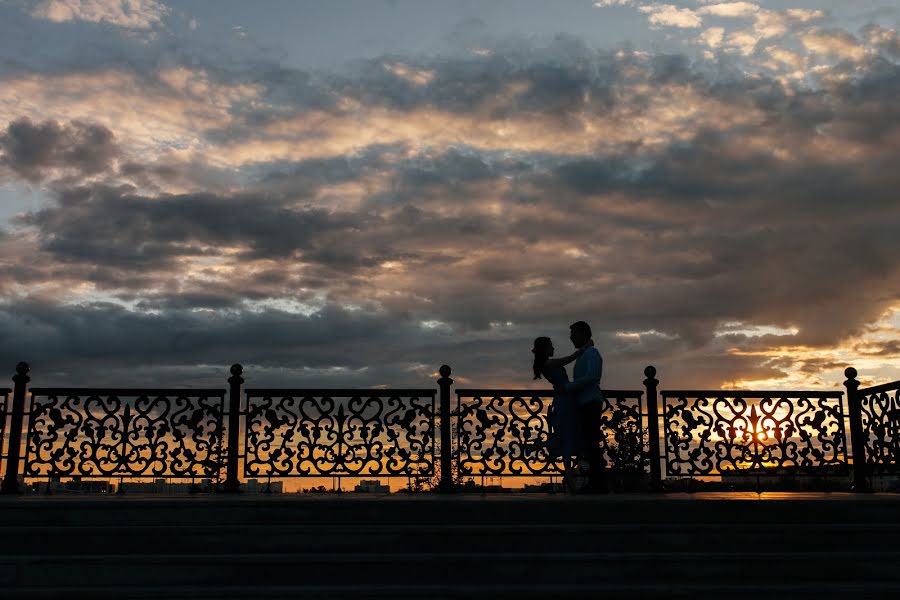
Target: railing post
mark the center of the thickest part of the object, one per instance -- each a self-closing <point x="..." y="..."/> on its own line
<point x="650" y="384"/>
<point x="445" y="382"/>
<point x="232" y="483"/>
<point x="857" y="439"/>
<point x="10" y="483"/>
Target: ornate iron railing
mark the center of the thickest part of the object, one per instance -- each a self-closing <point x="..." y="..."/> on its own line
<point x="125" y="433"/>
<point x="733" y="432"/>
<point x="506" y="432"/>
<point x="880" y="408"/>
<point x="316" y="433"/>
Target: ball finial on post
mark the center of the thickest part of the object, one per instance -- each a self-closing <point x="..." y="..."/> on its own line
<point x="653" y="454"/>
<point x="446" y="481"/>
<point x="237" y="369"/>
<point x="22" y="370"/>
<point x="858" y="436"/>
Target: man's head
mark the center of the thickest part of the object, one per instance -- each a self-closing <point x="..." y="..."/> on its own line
<point x="580" y="333"/>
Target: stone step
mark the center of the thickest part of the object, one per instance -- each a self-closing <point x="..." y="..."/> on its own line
<point x="446" y="569"/>
<point x="433" y="509"/>
<point x="460" y="591"/>
<point x="384" y="537"/>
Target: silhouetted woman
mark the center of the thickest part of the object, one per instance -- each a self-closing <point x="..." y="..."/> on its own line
<point x="565" y="437"/>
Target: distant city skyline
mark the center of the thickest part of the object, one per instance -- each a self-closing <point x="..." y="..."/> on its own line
<point x="353" y="193"/>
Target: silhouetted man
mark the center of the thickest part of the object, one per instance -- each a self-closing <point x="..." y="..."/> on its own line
<point x="585" y="390"/>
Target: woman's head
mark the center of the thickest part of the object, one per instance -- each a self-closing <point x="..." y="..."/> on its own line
<point x="543" y="349"/>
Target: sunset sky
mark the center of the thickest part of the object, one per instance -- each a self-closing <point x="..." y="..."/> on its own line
<point x="351" y="193"/>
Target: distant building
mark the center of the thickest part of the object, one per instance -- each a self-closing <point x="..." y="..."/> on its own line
<point x="169" y="487"/>
<point x="255" y="486"/>
<point x="471" y="486"/>
<point x="76" y="485"/>
<point x="372" y="486"/>
<point x="544" y="488"/>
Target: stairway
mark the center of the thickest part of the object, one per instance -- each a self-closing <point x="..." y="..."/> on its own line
<point x="505" y="546"/>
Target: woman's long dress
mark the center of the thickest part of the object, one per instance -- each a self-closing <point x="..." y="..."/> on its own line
<point x="565" y="435"/>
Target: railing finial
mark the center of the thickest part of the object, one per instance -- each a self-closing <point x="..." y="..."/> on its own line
<point x="857" y="435"/>
<point x="232" y="481"/>
<point x="650" y="384"/>
<point x="10" y="484"/>
<point x="446" y="481"/>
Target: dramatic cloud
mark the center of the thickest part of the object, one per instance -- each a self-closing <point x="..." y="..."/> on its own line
<point x="838" y="44"/>
<point x="730" y="9"/>
<point x="163" y="110"/>
<point x="729" y="217"/>
<point x="131" y="14"/>
<point x="671" y="15"/>
<point x="884" y="39"/>
<point x="31" y="150"/>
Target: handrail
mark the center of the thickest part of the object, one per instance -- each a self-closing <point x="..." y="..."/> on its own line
<point x="534" y="392"/>
<point x="76" y="391"/>
<point x="884" y="387"/>
<point x="754" y="393"/>
<point x="340" y="392"/>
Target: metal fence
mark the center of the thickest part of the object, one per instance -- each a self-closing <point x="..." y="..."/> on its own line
<point x="508" y="432"/>
<point x="880" y="416"/>
<point x="234" y="433"/>
<point x="324" y="433"/>
<point x="124" y="433"/>
<point x="753" y="432"/>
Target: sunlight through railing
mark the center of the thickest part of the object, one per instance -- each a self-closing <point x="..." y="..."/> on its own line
<point x="332" y="433"/>
<point x="880" y="411"/>
<point x="322" y="433"/>
<point x="507" y="432"/>
<point x="125" y="433"/>
<point x="718" y="432"/>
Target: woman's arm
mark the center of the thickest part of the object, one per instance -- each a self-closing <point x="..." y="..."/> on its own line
<point x="554" y="363"/>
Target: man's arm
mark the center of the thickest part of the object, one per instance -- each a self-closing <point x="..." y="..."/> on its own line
<point x="593" y="370"/>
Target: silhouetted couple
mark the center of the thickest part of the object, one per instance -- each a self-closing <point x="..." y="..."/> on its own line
<point x="577" y="406"/>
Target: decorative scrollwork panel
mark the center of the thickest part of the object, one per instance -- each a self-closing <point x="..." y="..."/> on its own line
<point x="125" y="433"/>
<point x="315" y="433"/>
<point x="715" y="432"/>
<point x="507" y="432"/>
<point x="880" y="407"/>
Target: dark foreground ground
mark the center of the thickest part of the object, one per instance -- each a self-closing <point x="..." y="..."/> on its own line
<point x="727" y="545"/>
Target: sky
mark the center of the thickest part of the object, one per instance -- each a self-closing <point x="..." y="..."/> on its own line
<point x="352" y="193"/>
